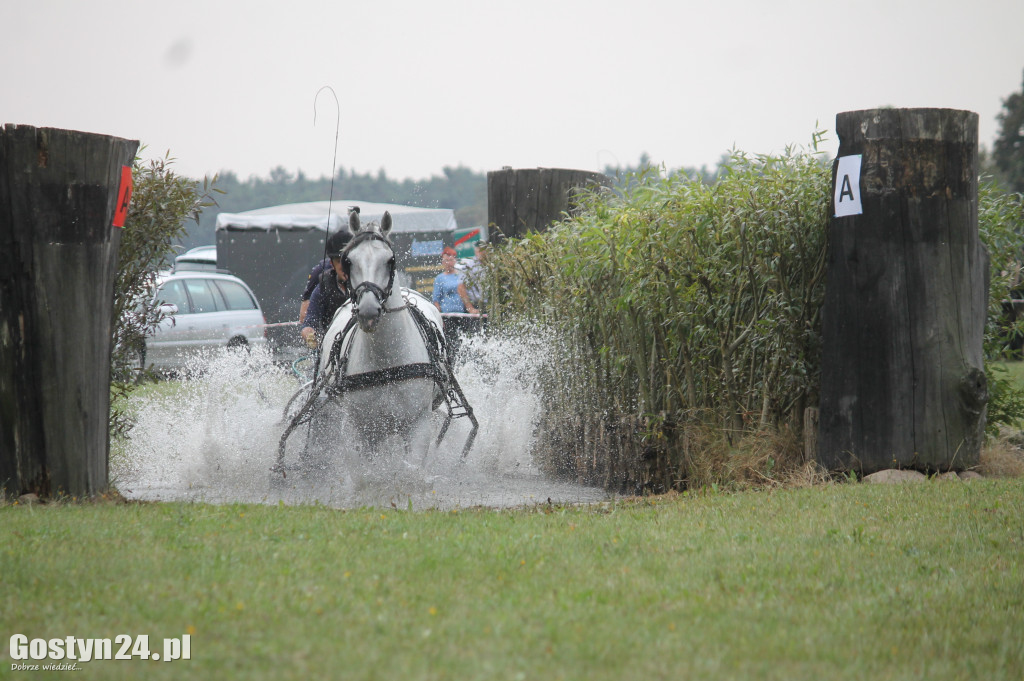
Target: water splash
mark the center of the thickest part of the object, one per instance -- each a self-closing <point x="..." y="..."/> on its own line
<point x="213" y="435"/>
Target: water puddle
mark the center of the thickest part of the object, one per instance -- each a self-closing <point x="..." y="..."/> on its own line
<point x="213" y="438"/>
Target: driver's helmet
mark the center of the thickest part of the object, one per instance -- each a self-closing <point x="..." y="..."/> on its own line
<point x="336" y="243"/>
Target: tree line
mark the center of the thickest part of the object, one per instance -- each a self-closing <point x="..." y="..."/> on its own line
<point x="457" y="187"/>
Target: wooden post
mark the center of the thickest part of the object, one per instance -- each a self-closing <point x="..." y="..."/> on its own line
<point x="902" y="381"/>
<point x="60" y="193"/>
<point x="531" y="199"/>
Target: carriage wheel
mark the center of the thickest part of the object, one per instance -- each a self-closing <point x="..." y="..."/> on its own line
<point x="301" y="392"/>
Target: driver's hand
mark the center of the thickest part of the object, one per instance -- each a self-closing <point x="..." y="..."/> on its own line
<point x="311" y="341"/>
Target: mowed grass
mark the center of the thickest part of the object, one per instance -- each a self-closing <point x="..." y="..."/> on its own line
<point x="842" y="581"/>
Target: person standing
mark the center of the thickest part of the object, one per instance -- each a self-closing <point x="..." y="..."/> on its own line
<point x="447" y="297"/>
<point x="450" y="298"/>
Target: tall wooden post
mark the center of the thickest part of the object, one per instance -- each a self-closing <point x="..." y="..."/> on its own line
<point x="519" y="201"/>
<point x="61" y="192"/>
<point x="903" y="384"/>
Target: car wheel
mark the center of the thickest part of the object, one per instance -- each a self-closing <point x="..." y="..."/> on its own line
<point x="237" y="343"/>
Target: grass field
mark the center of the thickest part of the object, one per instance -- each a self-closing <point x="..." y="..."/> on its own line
<point x="839" y="581"/>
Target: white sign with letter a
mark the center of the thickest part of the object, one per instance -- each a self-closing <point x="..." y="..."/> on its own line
<point x="847" y="189"/>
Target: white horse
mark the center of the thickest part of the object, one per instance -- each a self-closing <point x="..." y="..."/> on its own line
<point x="383" y="364"/>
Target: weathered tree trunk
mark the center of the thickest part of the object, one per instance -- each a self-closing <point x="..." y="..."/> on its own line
<point x="525" y="200"/>
<point x="59" y="196"/>
<point x="903" y="384"/>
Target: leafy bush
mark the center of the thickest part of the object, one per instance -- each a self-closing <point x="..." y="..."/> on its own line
<point x="679" y="303"/>
<point x="161" y="203"/>
<point x="1000" y="224"/>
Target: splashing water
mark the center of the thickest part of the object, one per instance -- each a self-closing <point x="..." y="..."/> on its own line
<point x="213" y="436"/>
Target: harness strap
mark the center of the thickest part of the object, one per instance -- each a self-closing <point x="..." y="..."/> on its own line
<point x="335" y="359"/>
<point x="432" y="339"/>
<point x="370" y="379"/>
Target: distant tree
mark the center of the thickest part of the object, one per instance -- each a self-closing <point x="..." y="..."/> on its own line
<point x="625" y="175"/>
<point x="620" y="173"/>
<point x="1008" y="150"/>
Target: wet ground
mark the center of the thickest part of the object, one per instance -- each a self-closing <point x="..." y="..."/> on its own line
<point x="213" y="438"/>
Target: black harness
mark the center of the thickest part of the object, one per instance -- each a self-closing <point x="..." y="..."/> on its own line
<point x="334" y="380"/>
<point x="437" y="368"/>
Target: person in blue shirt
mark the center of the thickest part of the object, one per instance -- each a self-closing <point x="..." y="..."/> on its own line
<point x="450" y="297"/>
<point x="447" y="294"/>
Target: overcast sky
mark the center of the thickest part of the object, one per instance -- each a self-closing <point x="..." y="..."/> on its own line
<point x="556" y="83"/>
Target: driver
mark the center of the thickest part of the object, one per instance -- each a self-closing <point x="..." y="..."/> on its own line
<point x="330" y="293"/>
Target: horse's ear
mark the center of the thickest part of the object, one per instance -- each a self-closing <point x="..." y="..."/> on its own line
<point x="385" y="223"/>
<point x="353" y="221"/>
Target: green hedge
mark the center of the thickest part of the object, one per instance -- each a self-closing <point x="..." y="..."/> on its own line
<point x="686" y="318"/>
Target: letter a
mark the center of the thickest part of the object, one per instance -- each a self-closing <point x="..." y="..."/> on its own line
<point x="847" y="189"/>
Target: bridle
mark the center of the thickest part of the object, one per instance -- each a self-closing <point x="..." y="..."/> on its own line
<point x="380" y="294"/>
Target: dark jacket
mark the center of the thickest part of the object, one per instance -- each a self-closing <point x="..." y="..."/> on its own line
<point x="325" y="300"/>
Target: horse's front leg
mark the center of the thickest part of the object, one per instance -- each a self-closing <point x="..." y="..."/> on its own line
<point x="417" y="441"/>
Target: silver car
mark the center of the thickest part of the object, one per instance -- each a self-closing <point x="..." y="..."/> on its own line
<point x="208" y="311"/>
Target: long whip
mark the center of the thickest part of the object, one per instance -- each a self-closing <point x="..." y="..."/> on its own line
<point x="334" y="160"/>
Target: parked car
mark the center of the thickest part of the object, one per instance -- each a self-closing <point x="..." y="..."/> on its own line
<point x="208" y="311"/>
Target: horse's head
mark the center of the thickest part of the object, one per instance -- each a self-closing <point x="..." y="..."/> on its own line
<point x="369" y="263"/>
